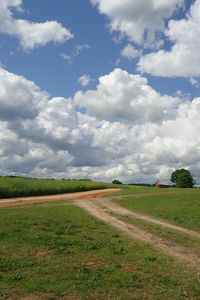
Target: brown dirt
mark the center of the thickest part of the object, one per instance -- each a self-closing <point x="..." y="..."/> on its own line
<point x="35" y="296"/>
<point x="94" y="208"/>
<point x="90" y="265"/>
<point x="112" y="207"/>
<point x="105" y="210"/>
<point x="40" y="253"/>
<point x="129" y="267"/>
<point x="52" y="198"/>
<point x="42" y="296"/>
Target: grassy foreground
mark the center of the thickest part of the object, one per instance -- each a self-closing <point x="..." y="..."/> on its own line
<point x="60" y="252"/>
<point x="178" y="206"/>
<point x="22" y="187"/>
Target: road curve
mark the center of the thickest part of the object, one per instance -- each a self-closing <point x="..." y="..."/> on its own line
<point x="8" y="202"/>
<point x="108" y="215"/>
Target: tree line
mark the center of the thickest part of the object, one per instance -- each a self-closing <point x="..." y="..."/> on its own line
<point x="181" y="178"/>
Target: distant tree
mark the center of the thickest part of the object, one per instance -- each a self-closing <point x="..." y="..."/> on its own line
<point x="116" y="181"/>
<point x="182" y="178"/>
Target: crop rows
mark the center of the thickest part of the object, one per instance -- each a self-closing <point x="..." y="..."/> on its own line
<point x="19" y="187"/>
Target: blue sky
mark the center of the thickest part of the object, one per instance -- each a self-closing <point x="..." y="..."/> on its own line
<point x="147" y="56"/>
<point x="45" y="66"/>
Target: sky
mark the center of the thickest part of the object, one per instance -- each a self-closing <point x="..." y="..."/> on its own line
<point x="100" y="89"/>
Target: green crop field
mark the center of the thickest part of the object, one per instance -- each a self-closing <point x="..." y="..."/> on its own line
<point x="22" y="187"/>
<point x="56" y="251"/>
<point x="178" y="206"/>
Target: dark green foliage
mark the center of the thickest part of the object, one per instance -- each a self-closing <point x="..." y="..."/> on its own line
<point x="182" y="178"/>
<point x="142" y="184"/>
<point x="115" y="181"/>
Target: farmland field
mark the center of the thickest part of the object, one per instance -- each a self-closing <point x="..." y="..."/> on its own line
<point x="178" y="206"/>
<point x="60" y="251"/>
<point x="22" y="187"/>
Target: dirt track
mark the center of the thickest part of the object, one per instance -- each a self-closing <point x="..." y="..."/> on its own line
<point x="135" y="232"/>
<point x="107" y="203"/>
<point x="106" y="210"/>
<point x="52" y="198"/>
<point x="109" y="212"/>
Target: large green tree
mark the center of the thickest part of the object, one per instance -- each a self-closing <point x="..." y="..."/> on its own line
<point x="182" y="178"/>
<point x="115" y="181"/>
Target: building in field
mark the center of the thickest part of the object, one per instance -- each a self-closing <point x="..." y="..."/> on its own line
<point x="160" y="185"/>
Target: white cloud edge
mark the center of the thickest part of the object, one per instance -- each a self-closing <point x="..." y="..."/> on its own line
<point x="47" y="137"/>
<point x="84" y="80"/>
<point x="30" y="34"/>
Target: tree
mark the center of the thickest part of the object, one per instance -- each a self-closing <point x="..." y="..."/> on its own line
<point x="116" y="182"/>
<point x="182" y="178"/>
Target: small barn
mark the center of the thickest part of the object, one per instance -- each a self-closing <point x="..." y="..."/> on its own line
<point x="159" y="185"/>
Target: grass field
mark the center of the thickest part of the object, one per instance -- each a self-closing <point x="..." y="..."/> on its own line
<point x="178" y="206"/>
<point x="57" y="251"/>
<point x="22" y="187"/>
<point x="61" y="252"/>
<point x="169" y="235"/>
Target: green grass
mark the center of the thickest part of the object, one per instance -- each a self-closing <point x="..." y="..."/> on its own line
<point x="62" y="251"/>
<point x="22" y="187"/>
<point x="140" y="190"/>
<point x="178" y="206"/>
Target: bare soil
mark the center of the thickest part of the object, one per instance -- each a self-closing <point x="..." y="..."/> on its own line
<point x="133" y="231"/>
<point x="53" y="198"/>
<point x="107" y="211"/>
<point x="107" y="203"/>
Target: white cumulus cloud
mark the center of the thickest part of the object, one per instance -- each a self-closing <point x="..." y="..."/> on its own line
<point x="126" y="97"/>
<point x="137" y="134"/>
<point x="183" y="59"/>
<point x="130" y="52"/>
<point x="30" y="34"/>
<point x="137" y="18"/>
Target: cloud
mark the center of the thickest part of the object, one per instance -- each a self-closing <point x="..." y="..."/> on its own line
<point x="35" y="120"/>
<point x="183" y="59"/>
<point x="76" y="52"/>
<point x="84" y="80"/>
<point x="24" y="95"/>
<point x="194" y="82"/>
<point x="138" y="20"/>
<point x="66" y="57"/>
<point x="127" y="98"/>
<point x="130" y="52"/>
<point x="79" y="48"/>
<point x="30" y="34"/>
<point x="47" y="137"/>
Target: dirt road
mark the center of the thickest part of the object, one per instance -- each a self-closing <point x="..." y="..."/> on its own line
<point x="96" y="209"/>
<point x="106" y="210"/>
<point x="52" y="198"/>
<point x="107" y="203"/>
<point x="109" y="212"/>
